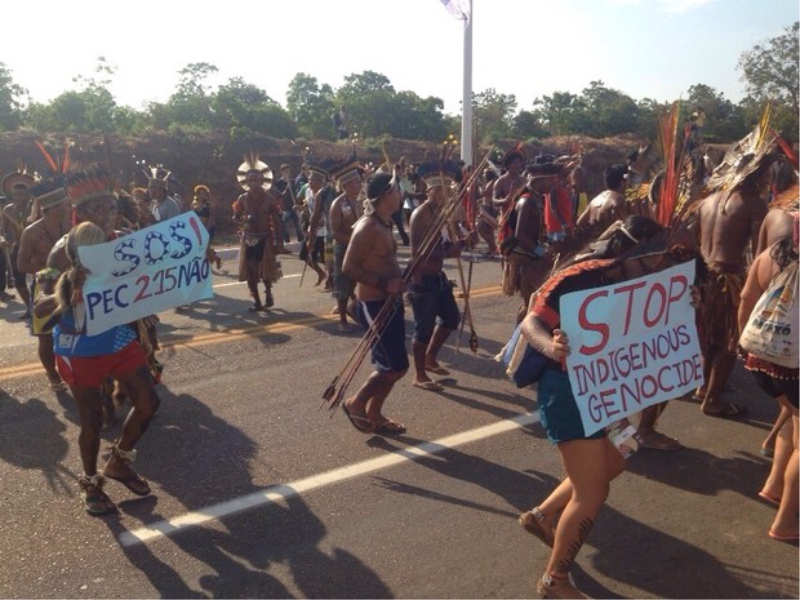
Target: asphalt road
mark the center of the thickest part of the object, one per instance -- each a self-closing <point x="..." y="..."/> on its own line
<point x="260" y="491"/>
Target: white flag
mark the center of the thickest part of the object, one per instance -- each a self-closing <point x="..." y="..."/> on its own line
<point x="459" y="9"/>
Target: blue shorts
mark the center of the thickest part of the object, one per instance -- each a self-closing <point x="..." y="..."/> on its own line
<point x="557" y="409"/>
<point x="389" y="353"/>
<point x="433" y="303"/>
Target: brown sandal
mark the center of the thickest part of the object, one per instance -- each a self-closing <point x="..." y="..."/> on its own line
<point x="95" y="500"/>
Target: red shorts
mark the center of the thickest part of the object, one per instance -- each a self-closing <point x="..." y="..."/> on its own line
<point x="89" y="371"/>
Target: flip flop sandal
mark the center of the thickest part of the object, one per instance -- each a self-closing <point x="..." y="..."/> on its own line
<point x="770" y="499"/>
<point x="390" y="428"/>
<point x="439" y="370"/>
<point x="729" y="411"/>
<point x="533" y="523"/>
<point x="794" y="537"/>
<point x="362" y="424"/>
<point x="134" y="483"/>
<point x="430" y="386"/>
<point x="95" y="500"/>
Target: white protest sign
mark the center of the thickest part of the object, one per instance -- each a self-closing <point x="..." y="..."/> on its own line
<point x="633" y="344"/>
<point x="145" y="272"/>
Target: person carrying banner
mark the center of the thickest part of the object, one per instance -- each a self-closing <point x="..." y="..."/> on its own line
<point x="591" y="462"/>
<point x="371" y="261"/>
<point x="779" y="382"/>
<point x="259" y="216"/>
<point x="436" y="314"/>
<point x="83" y="360"/>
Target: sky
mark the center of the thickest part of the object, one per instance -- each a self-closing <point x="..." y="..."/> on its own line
<point x="529" y="48"/>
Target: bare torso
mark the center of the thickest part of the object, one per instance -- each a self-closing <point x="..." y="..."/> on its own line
<point x="507" y="186"/>
<point x="724" y="236"/>
<point x="35" y="244"/>
<point x="371" y="254"/>
<point x="344" y="214"/>
<point x="777" y="224"/>
<point x="607" y="206"/>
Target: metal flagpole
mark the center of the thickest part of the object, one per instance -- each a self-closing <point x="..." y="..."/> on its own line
<point x="466" y="100"/>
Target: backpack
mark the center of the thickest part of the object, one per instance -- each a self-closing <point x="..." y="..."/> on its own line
<point x="771" y="332"/>
<point x="523" y="365"/>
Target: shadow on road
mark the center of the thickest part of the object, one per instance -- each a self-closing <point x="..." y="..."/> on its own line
<point x="242" y="558"/>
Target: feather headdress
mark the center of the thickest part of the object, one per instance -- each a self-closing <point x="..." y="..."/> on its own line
<point x="93" y="182"/>
<point x="252" y="164"/>
<point x="743" y="159"/>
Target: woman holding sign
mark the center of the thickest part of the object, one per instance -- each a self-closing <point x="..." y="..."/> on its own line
<point x="591" y="462"/>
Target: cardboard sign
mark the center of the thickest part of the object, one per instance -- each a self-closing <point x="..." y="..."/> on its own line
<point x="145" y="272"/>
<point x="633" y="344"/>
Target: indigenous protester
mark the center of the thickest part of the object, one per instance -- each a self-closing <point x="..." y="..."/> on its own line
<point x="728" y="222"/>
<point x="486" y="225"/>
<point x="35" y="244"/>
<point x="16" y="186"/>
<point x="162" y="205"/>
<point x="345" y="212"/>
<point x="319" y="197"/>
<point x="436" y="314"/>
<point x="201" y="205"/>
<point x="284" y="187"/>
<point x="259" y="217"/>
<point x="558" y="221"/>
<point x="527" y="262"/>
<point x="609" y="205"/>
<point x="779" y="382"/>
<point x="604" y="208"/>
<point x="129" y="216"/>
<point x="510" y="184"/>
<point x="83" y="360"/>
<point x="591" y="462"/>
<point x="371" y="262"/>
<point x="778" y="224"/>
<point x="397" y="217"/>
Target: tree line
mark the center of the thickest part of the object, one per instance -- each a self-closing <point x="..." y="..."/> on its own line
<point x="377" y="110"/>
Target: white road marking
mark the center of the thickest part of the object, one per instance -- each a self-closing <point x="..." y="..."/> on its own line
<point x="283" y="491"/>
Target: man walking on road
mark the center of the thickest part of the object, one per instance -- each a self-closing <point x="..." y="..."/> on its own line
<point x="372" y="262"/>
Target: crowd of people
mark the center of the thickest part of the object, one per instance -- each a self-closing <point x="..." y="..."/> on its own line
<point x="536" y="221"/>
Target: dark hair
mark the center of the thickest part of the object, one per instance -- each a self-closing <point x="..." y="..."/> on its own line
<point x="618" y="242"/>
<point x="783" y="252"/>
<point x="378" y="184"/>
<point x="614" y="175"/>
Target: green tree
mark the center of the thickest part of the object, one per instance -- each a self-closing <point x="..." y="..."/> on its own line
<point x="493" y="115"/>
<point x="10" y="105"/>
<point x="242" y="107"/>
<point x="91" y="109"/>
<point x="190" y="105"/>
<point x="370" y="99"/>
<point x="612" y="112"/>
<point x="311" y="106"/>
<point x="770" y="72"/>
<point x="527" y="125"/>
<point x="563" y="113"/>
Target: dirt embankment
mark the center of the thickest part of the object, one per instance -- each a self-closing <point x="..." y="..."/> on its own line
<point x="214" y="159"/>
